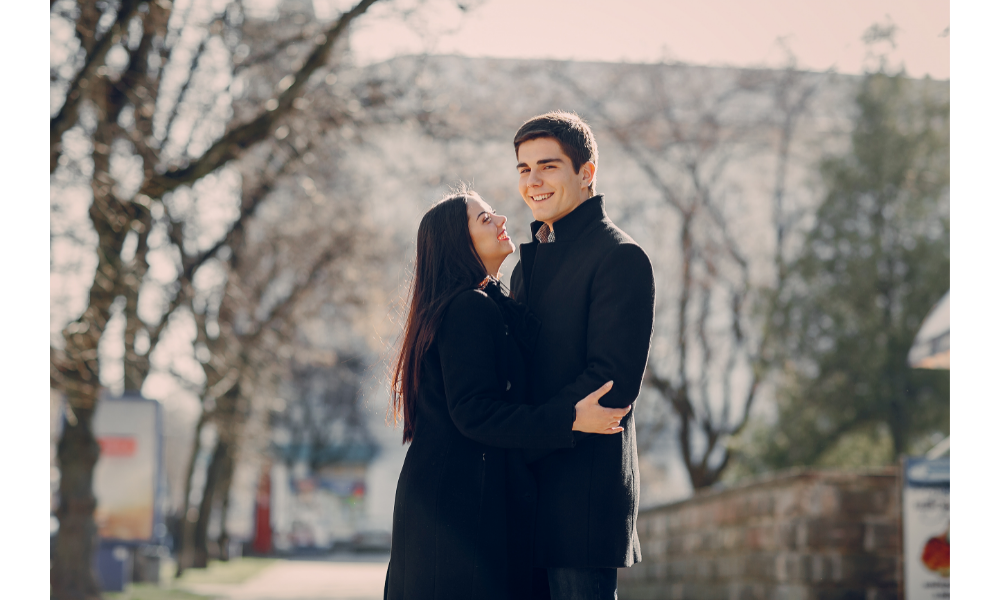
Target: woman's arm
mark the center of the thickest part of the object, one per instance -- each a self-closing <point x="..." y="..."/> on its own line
<point x="471" y="336"/>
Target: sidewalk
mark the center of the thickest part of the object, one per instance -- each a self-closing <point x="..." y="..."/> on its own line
<point x="358" y="579"/>
<point x="330" y="577"/>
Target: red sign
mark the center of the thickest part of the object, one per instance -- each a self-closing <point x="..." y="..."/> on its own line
<point x="117" y="445"/>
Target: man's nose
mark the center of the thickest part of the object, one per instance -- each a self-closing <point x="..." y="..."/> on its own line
<point x="533" y="179"/>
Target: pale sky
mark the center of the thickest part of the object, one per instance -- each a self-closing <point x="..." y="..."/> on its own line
<point x="820" y="33"/>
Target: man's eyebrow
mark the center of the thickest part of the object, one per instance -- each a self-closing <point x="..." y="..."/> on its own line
<point x="542" y="162"/>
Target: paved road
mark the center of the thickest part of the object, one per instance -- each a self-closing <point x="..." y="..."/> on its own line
<point x="356" y="579"/>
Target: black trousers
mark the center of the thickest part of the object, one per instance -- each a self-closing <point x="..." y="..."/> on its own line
<point x="572" y="583"/>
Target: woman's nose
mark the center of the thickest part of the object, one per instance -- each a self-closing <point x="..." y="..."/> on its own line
<point x="502" y="219"/>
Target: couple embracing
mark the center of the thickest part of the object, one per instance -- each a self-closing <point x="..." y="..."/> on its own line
<point x="522" y="479"/>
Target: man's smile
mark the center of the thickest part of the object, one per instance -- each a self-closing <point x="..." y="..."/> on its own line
<point x="541" y="197"/>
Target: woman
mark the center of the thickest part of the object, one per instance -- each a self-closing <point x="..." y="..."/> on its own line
<point x="463" y="516"/>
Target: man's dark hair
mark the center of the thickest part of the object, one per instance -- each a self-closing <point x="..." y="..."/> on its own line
<point x="569" y="130"/>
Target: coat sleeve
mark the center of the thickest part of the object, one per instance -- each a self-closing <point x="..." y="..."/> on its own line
<point x="619" y="331"/>
<point x="471" y="335"/>
<point x="517" y="284"/>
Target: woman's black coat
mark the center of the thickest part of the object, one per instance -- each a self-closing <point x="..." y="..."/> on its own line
<point x="462" y="521"/>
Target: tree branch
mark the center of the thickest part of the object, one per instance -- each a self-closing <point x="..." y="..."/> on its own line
<point x="237" y="140"/>
<point x="248" y="207"/>
<point x="182" y="94"/>
<point x="288" y="303"/>
<point x="270" y="53"/>
<point x="69" y="113"/>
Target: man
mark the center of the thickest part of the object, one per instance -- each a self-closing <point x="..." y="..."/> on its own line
<point x="592" y="288"/>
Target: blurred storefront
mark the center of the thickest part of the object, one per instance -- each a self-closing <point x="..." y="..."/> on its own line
<point x="316" y="500"/>
<point x="932" y="346"/>
<point x="926" y="480"/>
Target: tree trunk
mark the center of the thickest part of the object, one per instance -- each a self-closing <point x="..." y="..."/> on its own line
<point x="231" y="424"/>
<point x="186" y="529"/>
<point x="215" y="472"/>
<point x="72" y="576"/>
<point x="225" y="484"/>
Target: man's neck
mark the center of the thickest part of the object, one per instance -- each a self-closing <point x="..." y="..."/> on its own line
<point x="551" y="225"/>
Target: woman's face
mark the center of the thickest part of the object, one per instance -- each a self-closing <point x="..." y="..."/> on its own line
<point x="489" y="234"/>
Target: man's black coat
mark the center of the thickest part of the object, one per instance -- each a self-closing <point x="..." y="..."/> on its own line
<point x="593" y="291"/>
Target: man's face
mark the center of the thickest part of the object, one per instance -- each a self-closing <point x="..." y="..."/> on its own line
<point x="548" y="184"/>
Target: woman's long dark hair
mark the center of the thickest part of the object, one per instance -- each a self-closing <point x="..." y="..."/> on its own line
<point x="446" y="265"/>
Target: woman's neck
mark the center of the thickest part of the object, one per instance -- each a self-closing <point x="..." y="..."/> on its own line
<point x="494" y="270"/>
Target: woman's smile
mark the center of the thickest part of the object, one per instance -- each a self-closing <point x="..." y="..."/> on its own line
<point x="484" y="222"/>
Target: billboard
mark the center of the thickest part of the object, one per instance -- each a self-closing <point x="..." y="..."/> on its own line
<point x="128" y="470"/>
<point x="926" y="528"/>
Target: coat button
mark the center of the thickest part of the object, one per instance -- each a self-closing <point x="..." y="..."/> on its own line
<point x="508" y="386"/>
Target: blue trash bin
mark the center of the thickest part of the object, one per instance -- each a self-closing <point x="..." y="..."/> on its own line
<point x="114" y="565"/>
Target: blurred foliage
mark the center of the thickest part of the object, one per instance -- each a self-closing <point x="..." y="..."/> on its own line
<point x="874" y="263"/>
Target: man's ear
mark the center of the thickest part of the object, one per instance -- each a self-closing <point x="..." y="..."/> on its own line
<point x="588" y="171"/>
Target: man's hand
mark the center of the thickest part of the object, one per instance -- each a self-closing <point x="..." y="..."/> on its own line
<point x="591" y="417"/>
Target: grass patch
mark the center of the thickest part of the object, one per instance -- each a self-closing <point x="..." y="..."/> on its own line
<point x="149" y="591"/>
<point x="232" y="572"/>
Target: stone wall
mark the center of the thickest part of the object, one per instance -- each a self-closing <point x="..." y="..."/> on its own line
<point x="796" y="535"/>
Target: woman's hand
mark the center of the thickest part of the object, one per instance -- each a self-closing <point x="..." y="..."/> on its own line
<point x="591" y="417"/>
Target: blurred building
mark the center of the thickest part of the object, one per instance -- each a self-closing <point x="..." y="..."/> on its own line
<point x="320" y="452"/>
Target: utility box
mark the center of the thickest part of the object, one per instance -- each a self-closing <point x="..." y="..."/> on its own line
<point x="114" y="565"/>
<point x="129" y="486"/>
<point x="147" y="562"/>
<point x="926" y="528"/>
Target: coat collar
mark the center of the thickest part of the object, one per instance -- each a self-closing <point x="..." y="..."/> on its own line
<point x="572" y="225"/>
<point x="521" y="323"/>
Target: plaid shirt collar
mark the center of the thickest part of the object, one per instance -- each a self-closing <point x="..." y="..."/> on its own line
<point x="573" y="224"/>
<point x="544" y="235"/>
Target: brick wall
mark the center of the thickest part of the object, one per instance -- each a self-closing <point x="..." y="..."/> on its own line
<point x="796" y="535"/>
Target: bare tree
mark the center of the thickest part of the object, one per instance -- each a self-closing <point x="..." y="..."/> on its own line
<point x="114" y="106"/>
<point x="241" y="342"/>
